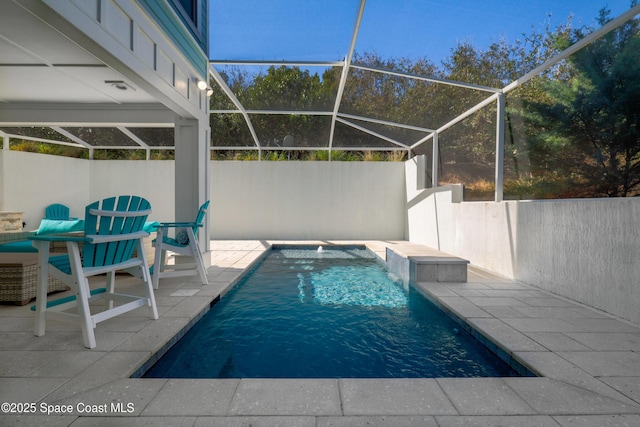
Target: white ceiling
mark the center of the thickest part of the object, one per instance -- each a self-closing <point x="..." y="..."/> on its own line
<point x="40" y="65"/>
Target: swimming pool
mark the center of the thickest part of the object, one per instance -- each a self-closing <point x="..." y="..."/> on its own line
<point x="335" y="313"/>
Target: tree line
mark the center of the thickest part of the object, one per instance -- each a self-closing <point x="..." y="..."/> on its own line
<point x="573" y="131"/>
<point x="570" y="132"/>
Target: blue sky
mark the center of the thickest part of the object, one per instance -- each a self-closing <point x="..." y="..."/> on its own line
<point x="309" y="30"/>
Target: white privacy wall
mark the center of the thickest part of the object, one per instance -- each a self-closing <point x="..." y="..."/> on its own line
<point x="307" y="200"/>
<point x="249" y="200"/>
<point x="153" y="180"/>
<point x="30" y="182"/>
<point x="587" y="250"/>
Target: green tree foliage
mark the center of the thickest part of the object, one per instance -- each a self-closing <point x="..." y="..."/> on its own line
<point x="571" y="131"/>
<point x="467" y="150"/>
<point x="590" y="116"/>
<point x="280" y="89"/>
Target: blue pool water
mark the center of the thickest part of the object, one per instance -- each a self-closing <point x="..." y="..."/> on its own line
<point x="331" y="314"/>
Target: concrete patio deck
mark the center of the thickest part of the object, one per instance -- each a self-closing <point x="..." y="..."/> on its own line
<point x="588" y="362"/>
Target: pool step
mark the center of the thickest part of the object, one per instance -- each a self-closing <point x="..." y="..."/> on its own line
<point x="435" y="267"/>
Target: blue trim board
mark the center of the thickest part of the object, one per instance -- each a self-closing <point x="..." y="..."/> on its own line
<point x="180" y="33"/>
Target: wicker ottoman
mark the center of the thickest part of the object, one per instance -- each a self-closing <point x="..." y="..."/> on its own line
<point x="18" y="277"/>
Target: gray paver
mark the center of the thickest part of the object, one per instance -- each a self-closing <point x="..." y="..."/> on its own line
<point x="506" y="335"/>
<point x="22" y="362"/>
<point x="193" y="397"/>
<point x="286" y="397"/>
<point x="435" y="289"/>
<point x="546" y="302"/>
<point x="629" y="386"/>
<point x="511" y="293"/>
<point x="270" y="421"/>
<point x="557" y="341"/>
<point x="494" y="421"/>
<point x="599" y="421"/>
<point x="420" y="396"/>
<point x="135" y="422"/>
<point x="540" y="325"/>
<point x="603" y="325"/>
<point x="609" y="340"/>
<point x="467" y="292"/>
<point x="495" y="301"/>
<point x="155" y="335"/>
<point x="113" y="365"/>
<point x="483" y="396"/>
<point x="124" y="397"/>
<point x="551" y="397"/>
<point x="67" y="363"/>
<point x="189" y="306"/>
<point x="606" y="363"/>
<point x="463" y="308"/>
<point x="27" y="390"/>
<point x="37" y="420"/>
<point x="502" y="312"/>
<point x="563" y="312"/>
<point x="380" y="421"/>
<point x="553" y="366"/>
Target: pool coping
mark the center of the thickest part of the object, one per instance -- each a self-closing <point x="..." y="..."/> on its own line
<point x="593" y="375"/>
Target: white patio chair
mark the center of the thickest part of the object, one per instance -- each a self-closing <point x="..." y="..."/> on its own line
<point x="184" y="243"/>
<point x="112" y="241"/>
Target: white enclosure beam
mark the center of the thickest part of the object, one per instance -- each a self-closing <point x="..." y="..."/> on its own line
<point x="427" y="79"/>
<point x="72" y="137"/>
<point x="384" y="122"/>
<point x="370" y="132"/>
<point x="137" y="140"/>
<point x="345" y="73"/>
<point x="44" y="140"/>
<point x="75" y="139"/>
<point x="458" y="119"/>
<point x="252" y="148"/>
<point x="500" y="106"/>
<point x="134" y="137"/>
<point x="225" y="112"/>
<point x="435" y="161"/>
<point x="291" y="112"/>
<point x="611" y="25"/>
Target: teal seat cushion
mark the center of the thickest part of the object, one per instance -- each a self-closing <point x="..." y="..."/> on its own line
<point x="172" y="242"/>
<point x="58" y="226"/>
<point x="25" y="246"/>
<point x="151" y="227"/>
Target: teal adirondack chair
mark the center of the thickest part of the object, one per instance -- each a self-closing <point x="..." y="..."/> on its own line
<point x="184" y="243"/>
<point x="112" y="241"/>
<point x="56" y="211"/>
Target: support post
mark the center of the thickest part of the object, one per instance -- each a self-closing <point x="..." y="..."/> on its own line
<point x="435" y="164"/>
<point x="192" y="172"/>
<point x="500" y="104"/>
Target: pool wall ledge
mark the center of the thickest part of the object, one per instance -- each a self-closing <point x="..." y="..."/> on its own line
<point x="434" y="266"/>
